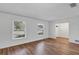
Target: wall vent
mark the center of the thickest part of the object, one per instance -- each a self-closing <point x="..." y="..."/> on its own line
<point x="76" y="40"/>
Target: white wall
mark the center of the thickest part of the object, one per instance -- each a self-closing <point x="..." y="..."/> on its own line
<point x="73" y="28"/>
<point x="31" y="30"/>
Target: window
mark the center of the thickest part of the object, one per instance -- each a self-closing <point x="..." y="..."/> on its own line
<point x="40" y="29"/>
<point x="18" y="31"/>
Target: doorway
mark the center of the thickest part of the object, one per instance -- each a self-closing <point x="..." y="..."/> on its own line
<point x="62" y="30"/>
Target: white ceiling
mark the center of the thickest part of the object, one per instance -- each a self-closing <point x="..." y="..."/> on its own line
<point x="44" y="11"/>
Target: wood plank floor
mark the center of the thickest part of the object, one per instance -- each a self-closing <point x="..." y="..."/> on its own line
<point x="58" y="46"/>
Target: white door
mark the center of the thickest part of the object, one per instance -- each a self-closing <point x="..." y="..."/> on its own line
<point x="62" y="29"/>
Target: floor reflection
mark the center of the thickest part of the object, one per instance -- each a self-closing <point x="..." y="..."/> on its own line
<point x="40" y="49"/>
<point x="21" y="52"/>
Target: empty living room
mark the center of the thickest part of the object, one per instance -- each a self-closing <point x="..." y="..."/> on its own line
<point x="39" y="28"/>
